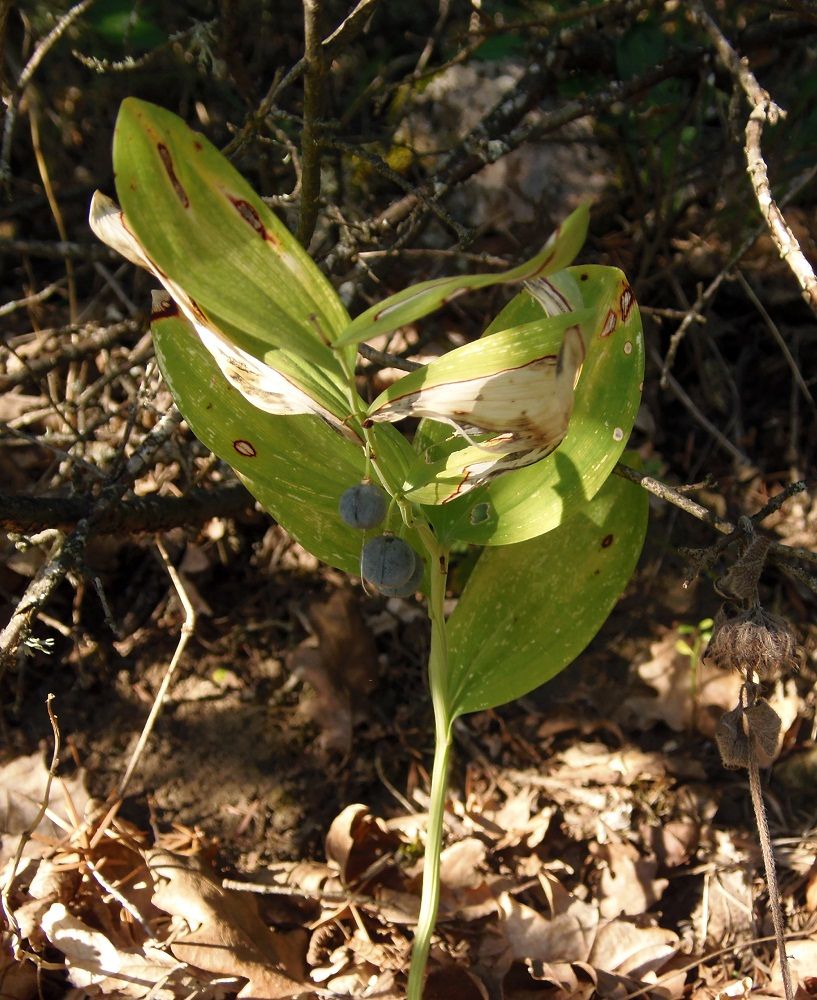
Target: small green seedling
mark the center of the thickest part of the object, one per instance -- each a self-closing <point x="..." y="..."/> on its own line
<point x="519" y="430"/>
<point x="692" y="646"/>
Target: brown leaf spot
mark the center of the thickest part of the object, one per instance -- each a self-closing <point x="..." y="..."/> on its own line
<point x="544" y="265"/>
<point x="167" y="309"/>
<point x="626" y="302"/>
<point x="609" y="324"/>
<point x="607" y="541"/>
<point x="250" y="215"/>
<point x="245" y="448"/>
<point x="167" y="163"/>
<point x="195" y="308"/>
<point x="583" y="277"/>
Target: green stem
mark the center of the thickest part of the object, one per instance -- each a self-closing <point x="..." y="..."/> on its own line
<point x="438" y="682"/>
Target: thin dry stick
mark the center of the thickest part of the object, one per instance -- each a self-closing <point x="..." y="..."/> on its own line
<point x="314" y="76"/>
<point x="693" y="314"/>
<point x="30" y="68"/>
<point x="771" y="326"/>
<point x="53" y="204"/>
<point x="123" y="901"/>
<point x="684" y="398"/>
<point x="31" y="300"/>
<point x="764" y="110"/>
<point x="67" y="551"/>
<point x="345" y="32"/>
<point x="17" y="937"/>
<point x="187" y="630"/>
<point x="780" y="552"/>
<point x="771" y="870"/>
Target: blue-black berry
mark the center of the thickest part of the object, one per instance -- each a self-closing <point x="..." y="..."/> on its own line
<point x="387" y="561"/>
<point x="363" y="506"/>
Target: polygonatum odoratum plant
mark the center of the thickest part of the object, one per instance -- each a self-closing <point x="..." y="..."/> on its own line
<point x="518" y="430"/>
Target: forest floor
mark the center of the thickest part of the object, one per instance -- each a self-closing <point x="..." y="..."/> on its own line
<point x="269" y="840"/>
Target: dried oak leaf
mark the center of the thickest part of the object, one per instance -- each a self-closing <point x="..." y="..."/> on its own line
<point x="226" y="934"/>
<point x="576" y="947"/>
<point x="356" y="841"/>
<point x="340" y="664"/>
<point x="682" y="700"/>
<point x="628" y="884"/>
<point x="100" y="968"/>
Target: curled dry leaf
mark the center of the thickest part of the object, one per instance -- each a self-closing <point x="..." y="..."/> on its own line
<point x="226" y="934"/>
<point x="356" y="841"/>
<point x="576" y="946"/>
<point x="100" y="968"/>
<point x="468" y="889"/>
<point x="802" y="957"/>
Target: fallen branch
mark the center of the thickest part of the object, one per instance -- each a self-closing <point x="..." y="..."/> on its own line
<point x="787" y="555"/>
<point x="68" y="550"/>
<point x="25" y="515"/>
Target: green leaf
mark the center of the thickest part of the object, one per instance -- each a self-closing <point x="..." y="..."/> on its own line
<point x="529" y="609"/>
<point x="205" y="228"/>
<point x="296" y="466"/>
<point x="419" y="300"/>
<point x="284" y="382"/>
<point x="533" y="500"/>
<point x="516" y="386"/>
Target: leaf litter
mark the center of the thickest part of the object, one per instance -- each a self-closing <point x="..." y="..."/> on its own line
<point x="577" y="863"/>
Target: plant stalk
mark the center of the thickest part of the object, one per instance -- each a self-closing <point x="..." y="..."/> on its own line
<point x="438" y="683"/>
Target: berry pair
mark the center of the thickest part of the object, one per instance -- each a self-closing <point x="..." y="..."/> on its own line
<point x="387" y="562"/>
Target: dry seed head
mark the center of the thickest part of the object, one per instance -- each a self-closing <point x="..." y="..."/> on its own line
<point x="755" y="640"/>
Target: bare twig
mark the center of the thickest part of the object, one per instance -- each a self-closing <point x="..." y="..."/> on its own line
<point x="314" y="76"/>
<point x="30" y="68"/>
<point x="90" y="340"/>
<point x="771" y="326"/>
<point x="693" y="314"/>
<point x="387" y="360"/>
<point x="123" y="901"/>
<point x="503" y="129"/>
<point x="764" y="110"/>
<point x="345" y="32"/>
<point x="32" y="300"/>
<point x="764" y="836"/>
<point x="52" y="250"/>
<point x="781" y="553"/>
<point x="53" y="204"/>
<point x="25" y="514"/>
<point x="717" y="434"/>
<point x="186" y="631"/>
<point x="784" y="238"/>
<point x="68" y="551"/>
